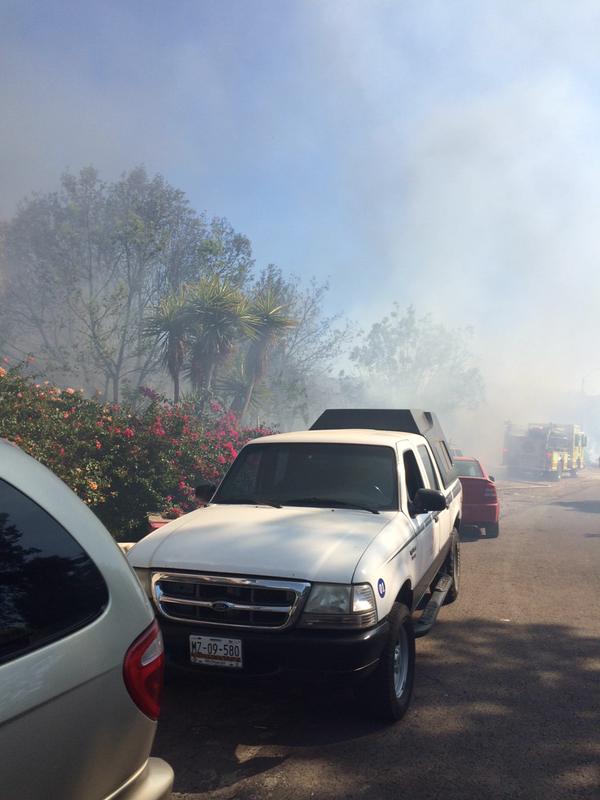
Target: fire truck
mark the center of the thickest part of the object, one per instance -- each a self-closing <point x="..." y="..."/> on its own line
<point x="544" y="450"/>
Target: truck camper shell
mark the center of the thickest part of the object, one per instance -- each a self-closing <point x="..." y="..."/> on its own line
<point x="403" y="420"/>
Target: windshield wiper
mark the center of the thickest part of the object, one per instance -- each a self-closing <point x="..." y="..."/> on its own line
<point x="248" y="502"/>
<point x="324" y="502"/>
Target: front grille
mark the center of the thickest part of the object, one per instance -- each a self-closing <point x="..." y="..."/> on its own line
<point x="226" y="601"/>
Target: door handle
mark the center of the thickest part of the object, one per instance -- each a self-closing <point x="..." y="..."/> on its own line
<point x="413" y="552"/>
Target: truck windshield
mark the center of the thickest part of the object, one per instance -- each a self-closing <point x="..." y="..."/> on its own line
<point x="316" y="474"/>
<point x="558" y="442"/>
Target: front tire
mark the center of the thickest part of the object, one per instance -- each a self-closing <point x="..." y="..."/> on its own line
<point x="386" y="693"/>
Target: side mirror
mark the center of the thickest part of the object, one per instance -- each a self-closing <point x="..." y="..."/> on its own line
<point x="429" y="500"/>
<point x="205" y="491"/>
<point x="491" y="477"/>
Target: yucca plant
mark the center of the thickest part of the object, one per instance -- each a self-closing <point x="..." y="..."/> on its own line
<point x="219" y="318"/>
<point x="267" y="324"/>
<point x="232" y="388"/>
<point x="169" y="326"/>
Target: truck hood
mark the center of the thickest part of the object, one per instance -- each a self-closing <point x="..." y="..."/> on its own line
<point x="314" y="544"/>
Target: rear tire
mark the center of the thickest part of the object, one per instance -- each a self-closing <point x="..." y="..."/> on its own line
<point x="452" y="568"/>
<point x="492" y="530"/>
<point x="386" y="693"/>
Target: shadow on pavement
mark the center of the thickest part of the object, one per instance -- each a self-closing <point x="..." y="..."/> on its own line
<point x="500" y="711"/>
<point x="472" y="533"/>
<point x="587" y="506"/>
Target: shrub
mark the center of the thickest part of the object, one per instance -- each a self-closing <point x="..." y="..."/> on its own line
<point x="122" y="463"/>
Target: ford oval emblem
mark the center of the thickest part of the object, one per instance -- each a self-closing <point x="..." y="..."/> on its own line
<point x="220" y="606"/>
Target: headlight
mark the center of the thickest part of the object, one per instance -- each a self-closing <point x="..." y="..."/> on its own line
<point x="337" y="606"/>
<point x="328" y="598"/>
<point x="362" y="598"/>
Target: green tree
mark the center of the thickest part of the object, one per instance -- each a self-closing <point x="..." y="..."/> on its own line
<point x="409" y="360"/>
<point x="84" y="266"/>
<point x="302" y="362"/>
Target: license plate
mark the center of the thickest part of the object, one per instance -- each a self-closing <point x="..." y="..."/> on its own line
<point x="216" y="652"/>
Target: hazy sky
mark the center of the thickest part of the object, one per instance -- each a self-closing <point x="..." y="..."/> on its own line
<point x="441" y="153"/>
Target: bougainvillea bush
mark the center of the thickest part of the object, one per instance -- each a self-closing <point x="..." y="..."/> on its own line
<point x="123" y="463"/>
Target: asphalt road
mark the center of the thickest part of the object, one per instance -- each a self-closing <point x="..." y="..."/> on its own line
<point x="506" y="701"/>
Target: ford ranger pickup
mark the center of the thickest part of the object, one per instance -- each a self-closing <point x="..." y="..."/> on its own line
<point x="324" y="552"/>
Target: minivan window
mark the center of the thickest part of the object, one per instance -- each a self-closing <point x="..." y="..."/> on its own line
<point x="49" y="586"/>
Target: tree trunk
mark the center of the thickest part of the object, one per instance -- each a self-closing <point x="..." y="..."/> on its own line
<point x="209" y="376"/>
<point x="247" y="399"/>
<point x="176" y="387"/>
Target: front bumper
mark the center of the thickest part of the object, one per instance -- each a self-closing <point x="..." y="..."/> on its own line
<point x="308" y="652"/>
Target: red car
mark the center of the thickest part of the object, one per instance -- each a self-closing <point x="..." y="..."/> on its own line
<point x="480" y="498"/>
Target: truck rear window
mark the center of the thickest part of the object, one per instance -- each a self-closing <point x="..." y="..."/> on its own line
<point x="315" y="474"/>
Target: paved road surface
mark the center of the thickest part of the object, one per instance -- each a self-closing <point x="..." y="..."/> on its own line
<point x="507" y="695"/>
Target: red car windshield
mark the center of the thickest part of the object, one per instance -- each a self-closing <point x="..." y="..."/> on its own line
<point x="469" y="468"/>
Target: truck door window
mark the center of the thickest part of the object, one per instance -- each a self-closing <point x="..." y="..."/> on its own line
<point x="412" y="477"/>
<point x="429" y="469"/>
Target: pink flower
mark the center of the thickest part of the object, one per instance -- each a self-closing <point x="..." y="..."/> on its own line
<point x="98" y="445"/>
<point x="128" y="433"/>
<point x="221" y="459"/>
<point x="66" y="415"/>
<point x="69" y="390"/>
<point x="181" y="484"/>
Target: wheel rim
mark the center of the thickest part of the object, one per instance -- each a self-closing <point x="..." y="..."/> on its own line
<point x="400" y="662"/>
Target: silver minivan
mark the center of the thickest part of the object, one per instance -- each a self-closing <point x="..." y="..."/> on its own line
<point x="81" y="656"/>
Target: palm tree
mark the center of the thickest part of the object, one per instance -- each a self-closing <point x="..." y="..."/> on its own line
<point x="169" y="326"/>
<point x="219" y="318"/>
<point x="233" y="386"/>
<point x="268" y="323"/>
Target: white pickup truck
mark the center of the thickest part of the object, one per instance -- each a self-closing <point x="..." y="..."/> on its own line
<point x="326" y="551"/>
